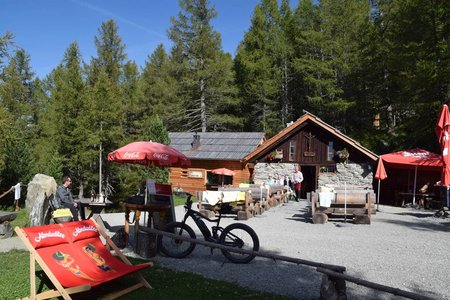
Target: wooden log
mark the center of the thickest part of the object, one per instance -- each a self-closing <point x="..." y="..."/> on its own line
<point x="361" y="219"/>
<point x="6" y="216"/>
<point x="319" y="218"/>
<point x="351" y="198"/>
<point x="244" y="215"/>
<point x="146" y="243"/>
<point x="258" y="209"/>
<point x="333" y="288"/>
<point x="6" y="230"/>
<point x="373" y="285"/>
<point x="256" y="253"/>
<point x="207" y="213"/>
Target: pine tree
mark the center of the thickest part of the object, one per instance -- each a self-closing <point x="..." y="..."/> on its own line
<point x="6" y="41"/>
<point x="18" y="160"/>
<point x="16" y="91"/>
<point x="158" y="91"/>
<point x="106" y="112"/>
<point x="110" y="51"/>
<point x="416" y="40"/>
<point x="258" y="72"/>
<point x="62" y="122"/>
<point x="157" y="132"/>
<point x="202" y="70"/>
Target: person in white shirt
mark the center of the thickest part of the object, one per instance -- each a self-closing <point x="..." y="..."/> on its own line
<point x="297" y="178"/>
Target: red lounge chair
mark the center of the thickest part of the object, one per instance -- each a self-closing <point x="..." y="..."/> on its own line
<point x="75" y="259"/>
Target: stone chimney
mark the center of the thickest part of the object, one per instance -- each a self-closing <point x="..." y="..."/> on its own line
<point x="196" y="142"/>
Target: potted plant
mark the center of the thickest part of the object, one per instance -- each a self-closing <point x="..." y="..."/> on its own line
<point x="343" y="155"/>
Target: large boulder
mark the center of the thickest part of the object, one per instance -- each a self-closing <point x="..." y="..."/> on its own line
<point x="38" y="192"/>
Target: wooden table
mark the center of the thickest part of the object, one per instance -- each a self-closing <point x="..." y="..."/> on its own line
<point x="138" y="208"/>
<point x="95" y="207"/>
<point x="421" y="197"/>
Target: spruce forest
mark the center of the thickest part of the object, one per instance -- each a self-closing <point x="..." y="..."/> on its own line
<point x="378" y="70"/>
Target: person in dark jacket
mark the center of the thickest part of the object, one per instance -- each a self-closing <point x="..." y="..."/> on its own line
<point x="64" y="197"/>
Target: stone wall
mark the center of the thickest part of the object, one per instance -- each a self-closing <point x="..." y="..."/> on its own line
<point x="355" y="176"/>
<point x="263" y="171"/>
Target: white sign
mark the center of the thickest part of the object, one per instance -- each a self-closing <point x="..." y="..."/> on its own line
<point x="151" y="189"/>
<point x="195" y="174"/>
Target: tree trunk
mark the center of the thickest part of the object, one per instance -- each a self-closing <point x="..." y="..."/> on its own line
<point x="202" y="104"/>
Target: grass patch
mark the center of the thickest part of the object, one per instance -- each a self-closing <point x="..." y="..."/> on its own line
<point x="167" y="284"/>
<point x="21" y="220"/>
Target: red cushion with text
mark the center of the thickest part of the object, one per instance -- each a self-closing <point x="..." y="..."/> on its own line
<point x="48" y="235"/>
<point x="107" y="266"/>
<point x="81" y="230"/>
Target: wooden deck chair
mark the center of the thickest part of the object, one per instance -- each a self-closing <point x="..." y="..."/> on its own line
<point x="74" y="258"/>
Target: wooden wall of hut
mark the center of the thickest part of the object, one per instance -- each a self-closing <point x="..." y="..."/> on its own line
<point x="194" y="178"/>
<point x="311" y="147"/>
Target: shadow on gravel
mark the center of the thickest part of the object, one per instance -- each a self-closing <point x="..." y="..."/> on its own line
<point x="417" y="215"/>
<point x="444" y="227"/>
<point x="303" y="216"/>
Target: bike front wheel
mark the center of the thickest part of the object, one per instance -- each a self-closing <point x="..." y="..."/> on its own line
<point x="240" y="236"/>
<point x="173" y="247"/>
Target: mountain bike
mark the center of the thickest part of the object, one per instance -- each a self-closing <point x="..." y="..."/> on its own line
<point x="235" y="235"/>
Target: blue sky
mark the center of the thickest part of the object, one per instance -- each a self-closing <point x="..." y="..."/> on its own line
<point x="46" y="28"/>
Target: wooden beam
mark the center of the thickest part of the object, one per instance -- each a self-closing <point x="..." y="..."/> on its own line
<point x="257" y="253"/>
<point x="373" y="285"/>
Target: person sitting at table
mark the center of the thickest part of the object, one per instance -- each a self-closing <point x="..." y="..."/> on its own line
<point x="423" y="190"/>
<point x="64" y="197"/>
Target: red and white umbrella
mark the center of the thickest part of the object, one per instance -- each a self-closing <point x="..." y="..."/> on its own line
<point x="223" y="172"/>
<point x="443" y="134"/>
<point x="412" y="158"/>
<point x="380" y="175"/>
<point x="149" y="153"/>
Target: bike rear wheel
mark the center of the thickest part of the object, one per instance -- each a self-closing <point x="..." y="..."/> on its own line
<point x="240" y="236"/>
<point x="174" y="247"/>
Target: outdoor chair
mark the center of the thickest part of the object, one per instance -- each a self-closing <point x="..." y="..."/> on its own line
<point x="75" y="259"/>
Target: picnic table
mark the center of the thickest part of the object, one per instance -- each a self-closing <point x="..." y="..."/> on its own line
<point x="151" y="208"/>
<point x="95" y="207"/>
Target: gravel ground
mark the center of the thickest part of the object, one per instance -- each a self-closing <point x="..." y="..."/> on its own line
<point x="403" y="248"/>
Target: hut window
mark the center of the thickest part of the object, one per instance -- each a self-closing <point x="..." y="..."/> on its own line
<point x="184" y="172"/>
<point x="292" y="150"/>
<point x="330" y="151"/>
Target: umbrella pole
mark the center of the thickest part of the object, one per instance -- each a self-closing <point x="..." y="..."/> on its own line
<point x="345" y="202"/>
<point x="415" y="182"/>
<point x="378" y="194"/>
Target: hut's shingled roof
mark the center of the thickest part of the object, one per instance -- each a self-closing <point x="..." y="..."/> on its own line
<point x="217" y="145"/>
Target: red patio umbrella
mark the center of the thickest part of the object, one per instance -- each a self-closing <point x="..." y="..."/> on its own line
<point x="408" y="159"/>
<point x="149" y="153"/>
<point x="380" y="175"/>
<point x="443" y="132"/>
<point x="223" y="172"/>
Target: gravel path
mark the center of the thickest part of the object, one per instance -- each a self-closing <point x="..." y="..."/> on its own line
<point x="403" y="248"/>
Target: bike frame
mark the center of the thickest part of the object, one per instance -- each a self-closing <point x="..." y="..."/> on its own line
<point x="197" y="217"/>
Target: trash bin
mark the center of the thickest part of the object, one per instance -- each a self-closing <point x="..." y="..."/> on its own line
<point x="145" y="244"/>
<point x="445" y="196"/>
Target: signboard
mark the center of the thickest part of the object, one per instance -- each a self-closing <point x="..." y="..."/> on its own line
<point x="151" y="189"/>
<point x="162" y="194"/>
<point x="195" y="174"/>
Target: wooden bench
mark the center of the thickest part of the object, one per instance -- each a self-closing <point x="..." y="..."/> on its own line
<point x="209" y="202"/>
<point x="355" y="203"/>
